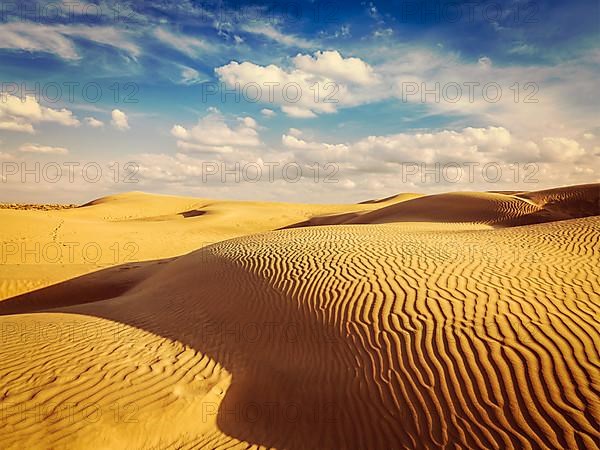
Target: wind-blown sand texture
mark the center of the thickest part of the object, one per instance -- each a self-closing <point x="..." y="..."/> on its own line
<point x="431" y="330"/>
<point x="42" y="247"/>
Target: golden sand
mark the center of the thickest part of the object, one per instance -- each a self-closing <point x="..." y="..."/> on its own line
<point x="389" y="325"/>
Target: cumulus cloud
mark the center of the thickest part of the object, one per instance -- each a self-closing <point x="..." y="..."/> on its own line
<point x="213" y="134"/>
<point x="93" y="122"/>
<point x="119" y="120"/>
<point x="529" y="99"/>
<point x="18" y="114"/>
<point x="249" y="122"/>
<point x="332" y="65"/>
<point x="368" y="167"/>
<point x="308" y="152"/>
<point x="318" y="84"/>
<point x="268" y="112"/>
<point x="43" y="149"/>
<point x="558" y="149"/>
<point x="477" y="145"/>
<point x="372" y="166"/>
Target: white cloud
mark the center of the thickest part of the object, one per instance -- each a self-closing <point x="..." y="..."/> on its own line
<point x="334" y="66"/>
<point x="478" y="145"/>
<point x="272" y="33"/>
<point x="16" y="125"/>
<point x="484" y="62"/>
<point x="347" y="184"/>
<point x="188" y="45"/>
<point x="93" y="122"/>
<point x="57" y="39"/>
<point x="36" y="38"/>
<point x="556" y="149"/>
<point x="548" y="96"/>
<point x="43" y="149"/>
<point x="213" y="134"/>
<point x="268" y="112"/>
<point x="383" y="33"/>
<point x="329" y="152"/>
<point x="298" y="112"/>
<point x="119" y="120"/>
<point x="523" y="49"/>
<point x="18" y="114"/>
<point x="190" y="76"/>
<point x="531" y="99"/>
<point x="249" y="122"/>
<point x="371" y="166"/>
<point x="110" y="36"/>
<point x="318" y="84"/>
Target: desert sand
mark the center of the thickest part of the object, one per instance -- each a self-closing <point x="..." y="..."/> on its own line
<point x="458" y="320"/>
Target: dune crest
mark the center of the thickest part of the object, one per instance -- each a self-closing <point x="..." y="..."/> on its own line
<point x="489" y="208"/>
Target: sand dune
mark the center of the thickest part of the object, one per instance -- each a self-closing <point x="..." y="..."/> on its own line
<point x="393" y="198"/>
<point x="395" y="335"/>
<point x="41" y="247"/>
<point x="491" y="208"/>
<point x="458" y="207"/>
<point x="567" y="202"/>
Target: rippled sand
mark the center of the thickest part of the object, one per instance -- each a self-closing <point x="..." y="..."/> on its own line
<point x="445" y="327"/>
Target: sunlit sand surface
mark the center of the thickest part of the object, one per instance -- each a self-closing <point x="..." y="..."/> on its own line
<point x="460" y="320"/>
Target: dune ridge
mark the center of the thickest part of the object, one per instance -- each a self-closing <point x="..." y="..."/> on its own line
<point x="489" y="208"/>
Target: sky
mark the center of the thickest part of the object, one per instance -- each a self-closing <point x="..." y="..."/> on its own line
<point x="303" y="101"/>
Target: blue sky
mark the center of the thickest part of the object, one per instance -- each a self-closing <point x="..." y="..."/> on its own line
<point x="153" y="62"/>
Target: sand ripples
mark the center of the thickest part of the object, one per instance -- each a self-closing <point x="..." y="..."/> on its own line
<point x="345" y="336"/>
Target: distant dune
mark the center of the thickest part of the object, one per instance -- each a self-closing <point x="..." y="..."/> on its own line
<point x="497" y="209"/>
<point x="44" y="246"/>
<point x="393" y="199"/>
<point x="440" y="321"/>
